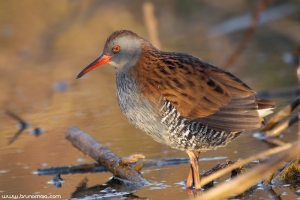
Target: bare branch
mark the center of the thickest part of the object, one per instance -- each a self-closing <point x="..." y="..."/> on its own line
<point x="103" y="155"/>
<point x="250" y="31"/>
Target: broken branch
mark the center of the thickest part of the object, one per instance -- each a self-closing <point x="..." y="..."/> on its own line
<point x="103" y="155"/>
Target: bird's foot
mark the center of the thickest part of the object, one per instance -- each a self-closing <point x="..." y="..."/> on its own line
<point x="192" y="193"/>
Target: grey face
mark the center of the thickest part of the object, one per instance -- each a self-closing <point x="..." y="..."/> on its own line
<point x="122" y="50"/>
<point x="129" y="50"/>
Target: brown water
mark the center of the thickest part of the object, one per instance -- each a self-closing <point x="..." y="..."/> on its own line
<point x="44" y="45"/>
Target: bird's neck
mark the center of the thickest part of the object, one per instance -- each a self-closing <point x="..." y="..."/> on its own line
<point x="142" y="74"/>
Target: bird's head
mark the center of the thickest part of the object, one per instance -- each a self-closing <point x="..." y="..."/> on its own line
<point x="122" y="50"/>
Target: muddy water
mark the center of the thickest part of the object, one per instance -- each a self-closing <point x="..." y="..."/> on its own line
<point x="45" y="45"/>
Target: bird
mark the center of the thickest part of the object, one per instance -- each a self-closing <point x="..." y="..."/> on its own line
<point x="179" y="100"/>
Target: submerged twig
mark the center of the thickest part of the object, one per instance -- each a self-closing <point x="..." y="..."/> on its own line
<point x="96" y="167"/>
<point x="220" y="173"/>
<point x="220" y="166"/>
<point x="290" y="174"/>
<point x="217" y="167"/>
<point x="103" y="155"/>
<point x="246" y="195"/>
<point x="248" y="179"/>
<point x="72" y="169"/>
<point x="272" y="194"/>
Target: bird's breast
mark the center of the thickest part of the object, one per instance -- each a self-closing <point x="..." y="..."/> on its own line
<point x="138" y="110"/>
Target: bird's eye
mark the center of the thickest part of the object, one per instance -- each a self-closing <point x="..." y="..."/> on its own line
<point x="116" y="49"/>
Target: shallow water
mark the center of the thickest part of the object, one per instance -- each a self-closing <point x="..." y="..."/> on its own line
<point x="41" y="59"/>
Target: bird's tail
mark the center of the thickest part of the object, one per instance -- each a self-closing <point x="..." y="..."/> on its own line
<point x="265" y="107"/>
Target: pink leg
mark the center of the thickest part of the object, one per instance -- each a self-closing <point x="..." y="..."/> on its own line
<point x="194" y="171"/>
<point x="190" y="181"/>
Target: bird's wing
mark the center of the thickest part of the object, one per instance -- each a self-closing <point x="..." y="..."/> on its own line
<point x="200" y="91"/>
<point x="197" y="89"/>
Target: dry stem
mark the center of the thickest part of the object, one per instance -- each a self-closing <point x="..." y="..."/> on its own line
<point x="151" y="23"/>
<point x="250" y="31"/>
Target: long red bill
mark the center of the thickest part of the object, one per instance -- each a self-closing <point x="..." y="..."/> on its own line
<point x="99" y="61"/>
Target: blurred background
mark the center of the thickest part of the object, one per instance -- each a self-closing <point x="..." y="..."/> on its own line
<point x="45" y="44"/>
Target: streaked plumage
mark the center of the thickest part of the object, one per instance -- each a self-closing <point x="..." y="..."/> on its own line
<point x="179" y="100"/>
